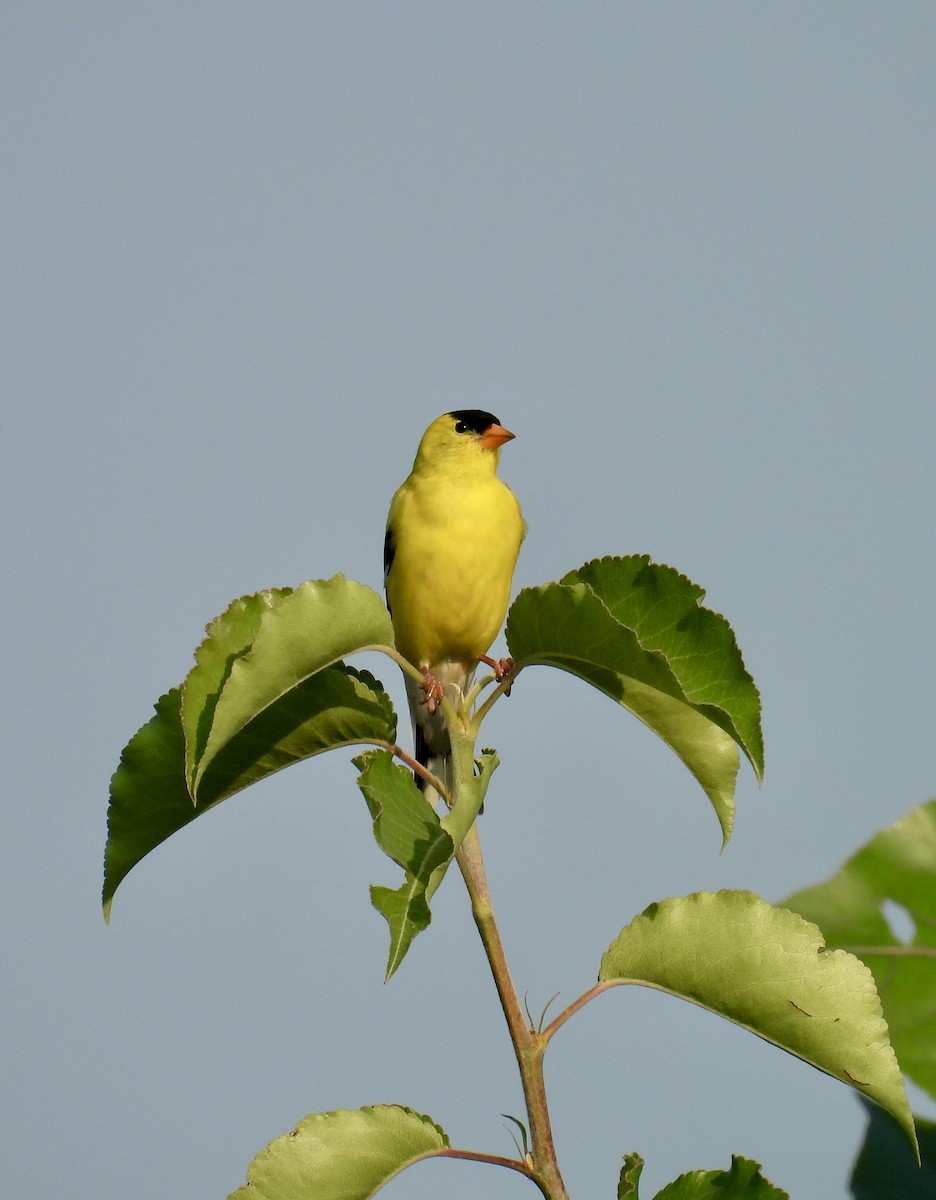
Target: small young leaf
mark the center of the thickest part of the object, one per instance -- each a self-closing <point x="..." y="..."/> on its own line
<point x="406" y="912"/>
<point x="636" y="631"/>
<point x="409" y="832"/>
<point x="766" y="969"/>
<point x="886" y="1167"/>
<point x="742" y="1181"/>
<point x="149" y="797"/>
<point x="897" y="865"/>
<point x="523" y="1146"/>
<point x="298" y="635"/>
<point x="348" y="1154"/>
<point x="407" y="829"/>
<point x="629" y="1178"/>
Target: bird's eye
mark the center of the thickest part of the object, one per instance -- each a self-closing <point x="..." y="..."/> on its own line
<point x="461" y="427"/>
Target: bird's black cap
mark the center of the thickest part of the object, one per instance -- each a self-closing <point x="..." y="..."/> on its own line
<point x="475" y="419"/>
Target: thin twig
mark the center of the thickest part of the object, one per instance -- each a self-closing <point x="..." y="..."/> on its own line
<point x="502" y="689"/>
<point x="409" y="761"/>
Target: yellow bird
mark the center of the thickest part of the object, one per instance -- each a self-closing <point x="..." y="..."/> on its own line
<point x="453" y="536"/>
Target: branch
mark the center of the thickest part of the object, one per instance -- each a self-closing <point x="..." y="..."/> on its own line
<point x="529" y="1046"/>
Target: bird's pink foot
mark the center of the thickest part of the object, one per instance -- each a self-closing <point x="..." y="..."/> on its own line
<point x="503" y="668"/>
<point x="433" y="690"/>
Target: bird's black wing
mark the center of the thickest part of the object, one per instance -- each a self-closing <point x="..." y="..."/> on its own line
<point x="389" y="550"/>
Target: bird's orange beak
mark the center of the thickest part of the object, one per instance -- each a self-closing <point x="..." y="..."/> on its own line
<point x="495" y="436"/>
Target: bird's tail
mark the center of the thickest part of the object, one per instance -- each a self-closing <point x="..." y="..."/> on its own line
<point x="433" y="748"/>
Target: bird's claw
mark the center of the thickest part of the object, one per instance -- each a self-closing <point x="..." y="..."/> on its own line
<point x="503" y="668"/>
<point x="433" y="692"/>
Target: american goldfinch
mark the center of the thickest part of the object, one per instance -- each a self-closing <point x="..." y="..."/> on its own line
<point x="453" y="536"/>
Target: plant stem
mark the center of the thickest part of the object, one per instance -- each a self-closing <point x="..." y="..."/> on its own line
<point x="529" y="1046"/>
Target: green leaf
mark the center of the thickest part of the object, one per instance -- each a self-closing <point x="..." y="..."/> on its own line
<point x="766" y="969"/>
<point x="296" y="636"/>
<point x="664" y="609"/>
<point x="343" y="1155"/>
<point x="408" y="831"/>
<point x="886" y="1167"/>
<point x="897" y="865"/>
<point x="149" y="797"/>
<point x="230" y="636"/>
<point x="339" y="706"/>
<point x="267" y="689"/>
<point x="742" y="1181"/>
<point x="636" y="631"/>
<point x="630" y="1177"/>
<point x="406" y="911"/>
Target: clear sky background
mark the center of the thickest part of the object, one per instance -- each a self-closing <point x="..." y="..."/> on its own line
<point x="685" y="251"/>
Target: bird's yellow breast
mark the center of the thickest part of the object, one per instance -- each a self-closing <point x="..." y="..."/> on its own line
<point x="456" y="544"/>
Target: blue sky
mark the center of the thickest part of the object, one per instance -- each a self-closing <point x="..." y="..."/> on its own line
<point x="686" y="253"/>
